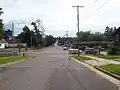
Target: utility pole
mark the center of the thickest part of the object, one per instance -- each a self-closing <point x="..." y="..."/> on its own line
<point x="78" y="20"/>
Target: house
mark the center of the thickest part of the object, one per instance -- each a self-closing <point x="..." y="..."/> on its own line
<point x="2" y="43"/>
<point x="116" y="40"/>
<point x="116" y="36"/>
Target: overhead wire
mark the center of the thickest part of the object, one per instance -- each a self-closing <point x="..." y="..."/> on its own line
<point x="97" y="9"/>
<point x="91" y="6"/>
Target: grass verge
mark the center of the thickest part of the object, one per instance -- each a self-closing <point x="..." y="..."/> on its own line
<point x="109" y="57"/>
<point x="4" y="60"/>
<point x="112" y="68"/>
<point x="81" y="58"/>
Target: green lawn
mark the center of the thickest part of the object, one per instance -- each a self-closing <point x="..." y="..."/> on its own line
<point x="110" y="56"/>
<point x="112" y="68"/>
<point x="4" y="60"/>
<point x="81" y="58"/>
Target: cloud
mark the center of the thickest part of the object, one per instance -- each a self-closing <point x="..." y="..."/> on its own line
<point x="59" y="16"/>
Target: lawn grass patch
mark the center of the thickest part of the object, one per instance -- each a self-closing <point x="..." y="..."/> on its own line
<point x="115" y="69"/>
<point x="4" y="60"/>
<point x="81" y="58"/>
<point x="109" y="57"/>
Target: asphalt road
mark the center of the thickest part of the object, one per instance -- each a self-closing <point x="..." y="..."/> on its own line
<point x="52" y="70"/>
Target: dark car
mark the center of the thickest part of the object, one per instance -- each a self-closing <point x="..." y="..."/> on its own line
<point x="90" y="51"/>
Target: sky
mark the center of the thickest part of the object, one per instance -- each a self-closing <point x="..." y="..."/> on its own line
<point x="59" y="16"/>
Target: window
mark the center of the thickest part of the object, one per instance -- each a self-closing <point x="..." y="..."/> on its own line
<point x="118" y="49"/>
<point x="117" y="37"/>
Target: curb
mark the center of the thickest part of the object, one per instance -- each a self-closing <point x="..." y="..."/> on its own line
<point x="109" y="73"/>
<point x="102" y="74"/>
<point x="11" y="63"/>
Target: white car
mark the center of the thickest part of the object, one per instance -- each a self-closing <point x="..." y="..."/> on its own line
<point x="64" y="48"/>
<point x="75" y="51"/>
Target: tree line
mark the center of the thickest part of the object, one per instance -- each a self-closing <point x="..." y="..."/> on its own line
<point x="35" y="38"/>
<point x="90" y="36"/>
<point x="97" y="36"/>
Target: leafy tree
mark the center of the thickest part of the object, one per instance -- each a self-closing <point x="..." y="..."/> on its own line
<point x="97" y="36"/>
<point x="25" y="36"/>
<point x="49" y="40"/>
<point x="38" y="36"/>
<point x="83" y="36"/>
<point x="1" y="30"/>
<point x="108" y="33"/>
<point x="1" y="25"/>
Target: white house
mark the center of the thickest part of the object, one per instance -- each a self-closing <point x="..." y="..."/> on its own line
<point x="2" y="43"/>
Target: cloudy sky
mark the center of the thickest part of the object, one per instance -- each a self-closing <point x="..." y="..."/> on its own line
<point x="59" y="16"/>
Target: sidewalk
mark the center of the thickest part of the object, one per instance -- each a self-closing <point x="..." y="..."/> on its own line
<point x="100" y="61"/>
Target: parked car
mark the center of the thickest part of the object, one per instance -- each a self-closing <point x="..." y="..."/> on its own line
<point x="90" y="51"/>
<point x="75" y="51"/>
<point x="64" y="48"/>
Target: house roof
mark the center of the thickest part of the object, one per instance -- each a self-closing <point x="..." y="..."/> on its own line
<point x="116" y="31"/>
<point x="93" y="42"/>
<point x="2" y="41"/>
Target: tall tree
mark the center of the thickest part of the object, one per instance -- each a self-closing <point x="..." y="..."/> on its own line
<point x="83" y="36"/>
<point x="1" y="25"/>
<point x="49" y="40"/>
<point x="108" y="33"/>
<point x="25" y="36"/>
<point x="1" y="30"/>
<point x="38" y="36"/>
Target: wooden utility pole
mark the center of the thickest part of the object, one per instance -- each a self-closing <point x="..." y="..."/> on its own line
<point x="78" y="20"/>
<point x="78" y="15"/>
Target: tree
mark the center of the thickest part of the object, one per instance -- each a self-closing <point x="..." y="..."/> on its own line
<point x="1" y="30"/>
<point x="1" y="12"/>
<point x="108" y="33"/>
<point x="49" y="40"/>
<point x="38" y="36"/>
<point x="25" y="36"/>
<point x="1" y="25"/>
<point x="83" y="36"/>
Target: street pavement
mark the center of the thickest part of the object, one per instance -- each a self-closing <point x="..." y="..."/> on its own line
<point x="52" y="70"/>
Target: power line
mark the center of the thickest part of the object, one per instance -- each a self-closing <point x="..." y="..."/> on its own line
<point x="90" y="6"/>
<point x="97" y="9"/>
